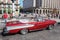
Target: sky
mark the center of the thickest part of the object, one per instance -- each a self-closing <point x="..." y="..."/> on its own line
<point x="21" y="3"/>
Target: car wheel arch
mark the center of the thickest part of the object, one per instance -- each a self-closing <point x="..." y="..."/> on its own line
<point x="24" y="29"/>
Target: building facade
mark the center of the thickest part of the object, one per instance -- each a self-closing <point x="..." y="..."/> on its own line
<point x="6" y="5"/>
<point x="42" y="6"/>
<point x="29" y="5"/>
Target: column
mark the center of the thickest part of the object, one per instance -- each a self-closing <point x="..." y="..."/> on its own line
<point x="49" y="3"/>
<point x="38" y="11"/>
<point x="34" y="3"/>
<point x="52" y="4"/>
<point x="18" y="7"/>
<point x="13" y="7"/>
<point x="46" y="3"/>
<point x="6" y="7"/>
<point x="58" y="4"/>
<point x="41" y="11"/>
<point x="45" y="11"/>
<point x="2" y="6"/>
<point x="43" y="3"/>
<point x="55" y="4"/>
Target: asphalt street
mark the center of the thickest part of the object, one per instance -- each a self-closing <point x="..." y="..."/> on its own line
<point x="38" y="35"/>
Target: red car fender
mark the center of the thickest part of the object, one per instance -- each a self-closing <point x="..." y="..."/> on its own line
<point x="16" y="29"/>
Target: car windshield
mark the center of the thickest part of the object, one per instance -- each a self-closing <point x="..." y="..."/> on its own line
<point x="31" y="19"/>
<point x="24" y="20"/>
<point x="41" y="19"/>
<point x="27" y="19"/>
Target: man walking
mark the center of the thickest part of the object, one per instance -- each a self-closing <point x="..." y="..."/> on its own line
<point x="5" y="16"/>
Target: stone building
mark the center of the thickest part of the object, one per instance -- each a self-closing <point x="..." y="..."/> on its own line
<point x="42" y="6"/>
<point x="6" y="5"/>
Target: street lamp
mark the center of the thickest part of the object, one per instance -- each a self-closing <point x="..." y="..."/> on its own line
<point x="13" y="9"/>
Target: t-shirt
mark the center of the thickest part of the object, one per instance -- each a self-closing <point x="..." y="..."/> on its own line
<point x="5" y="15"/>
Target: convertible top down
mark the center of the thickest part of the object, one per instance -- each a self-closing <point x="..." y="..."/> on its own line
<point x="23" y="26"/>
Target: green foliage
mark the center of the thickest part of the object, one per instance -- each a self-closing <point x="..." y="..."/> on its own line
<point x="4" y="10"/>
<point x="9" y="11"/>
<point x="20" y="7"/>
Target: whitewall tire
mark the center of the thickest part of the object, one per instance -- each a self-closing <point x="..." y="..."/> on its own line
<point x="24" y="31"/>
<point x="50" y="27"/>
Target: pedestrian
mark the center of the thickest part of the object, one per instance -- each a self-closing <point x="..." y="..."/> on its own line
<point x="48" y="16"/>
<point x="36" y="17"/>
<point x="59" y="16"/>
<point x="11" y="16"/>
<point x="5" y="16"/>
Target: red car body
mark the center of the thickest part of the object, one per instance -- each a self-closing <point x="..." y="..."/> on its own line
<point x="16" y="26"/>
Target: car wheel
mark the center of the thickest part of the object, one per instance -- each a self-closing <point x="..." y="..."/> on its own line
<point x="4" y="34"/>
<point x="24" y="31"/>
<point x="50" y="27"/>
<point x="55" y="24"/>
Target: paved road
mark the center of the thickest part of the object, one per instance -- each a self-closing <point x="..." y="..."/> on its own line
<point x="39" y="35"/>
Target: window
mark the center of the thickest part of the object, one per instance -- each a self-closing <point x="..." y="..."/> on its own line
<point x="46" y="11"/>
<point x="0" y="11"/>
<point x="37" y="11"/>
<point x="40" y="11"/>
<point x="43" y="11"/>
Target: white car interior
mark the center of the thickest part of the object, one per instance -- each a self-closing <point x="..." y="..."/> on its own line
<point x="26" y="20"/>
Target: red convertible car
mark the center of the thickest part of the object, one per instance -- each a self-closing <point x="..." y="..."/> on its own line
<point x="23" y="26"/>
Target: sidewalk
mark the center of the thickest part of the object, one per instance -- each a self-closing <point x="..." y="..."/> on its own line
<point x="2" y="20"/>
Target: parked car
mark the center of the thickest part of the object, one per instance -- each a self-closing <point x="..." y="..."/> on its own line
<point x="24" y="27"/>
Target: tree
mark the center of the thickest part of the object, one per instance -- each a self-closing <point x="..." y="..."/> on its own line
<point x="21" y="9"/>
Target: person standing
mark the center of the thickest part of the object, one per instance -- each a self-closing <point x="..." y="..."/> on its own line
<point x="5" y="16"/>
<point x="11" y="16"/>
<point x="36" y="17"/>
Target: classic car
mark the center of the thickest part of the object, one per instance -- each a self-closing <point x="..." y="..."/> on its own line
<point x="24" y="26"/>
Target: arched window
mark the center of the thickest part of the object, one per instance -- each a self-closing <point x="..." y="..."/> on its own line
<point x="40" y="11"/>
<point x="46" y="11"/>
<point x="37" y="11"/>
<point x="43" y="11"/>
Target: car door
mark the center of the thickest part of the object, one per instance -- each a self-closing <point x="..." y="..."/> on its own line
<point x="35" y="27"/>
<point x="42" y="24"/>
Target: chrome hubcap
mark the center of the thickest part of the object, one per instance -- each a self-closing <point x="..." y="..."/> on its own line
<point x="24" y="31"/>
